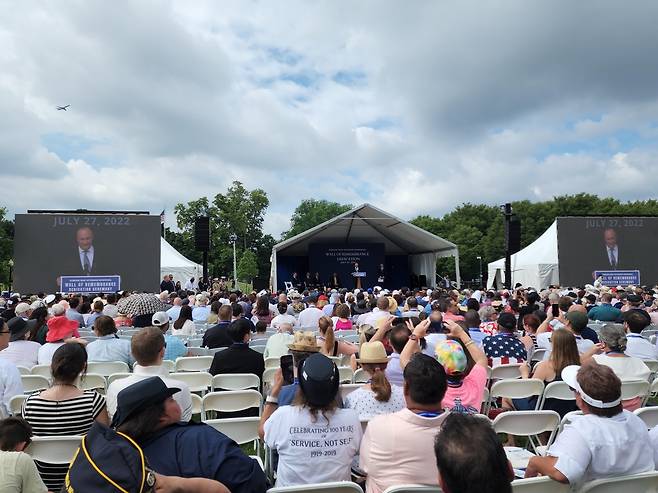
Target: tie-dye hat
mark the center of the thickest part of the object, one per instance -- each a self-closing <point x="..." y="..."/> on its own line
<point x="451" y="356"/>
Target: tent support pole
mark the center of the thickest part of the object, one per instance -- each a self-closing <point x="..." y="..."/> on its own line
<point x="457" y="273"/>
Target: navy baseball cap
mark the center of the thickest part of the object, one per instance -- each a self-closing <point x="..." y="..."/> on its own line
<point x="139" y="395"/>
<point x="319" y="379"/>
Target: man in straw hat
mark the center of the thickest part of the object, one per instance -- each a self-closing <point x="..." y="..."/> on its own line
<point x="606" y="441"/>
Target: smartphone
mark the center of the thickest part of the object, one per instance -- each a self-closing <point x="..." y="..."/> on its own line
<point x="556" y="309"/>
<point x="286" y="369"/>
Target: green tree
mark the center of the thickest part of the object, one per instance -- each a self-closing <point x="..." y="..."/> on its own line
<point x="248" y="266"/>
<point x="312" y="212"/>
<point x="6" y="246"/>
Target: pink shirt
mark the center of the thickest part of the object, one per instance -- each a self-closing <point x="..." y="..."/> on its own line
<point x="398" y="449"/>
<point x="470" y="391"/>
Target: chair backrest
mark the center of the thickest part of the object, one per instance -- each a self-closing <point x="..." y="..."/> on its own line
<point x="197" y="403"/>
<point x="652" y="364"/>
<point x="512" y="370"/>
<point x="517" y="389"/>
<point x="93" y="381"/>
<point x="215" y="350"/>
<point x="557" y="390"/>
<point x="169" y="365"/>
<point x="54" y="450"/>
<point x="645" y="482"/>
<point x="116" y="376"/>
<point x="346" y="374"/>
<point x="16" y="404"/>
<point x="196" y="342"/>
<point x="106" y="368"/>
<point x="240" y="430"/>
<point x="632" y="389"/>
<point x="197" y="351"/>
<point x="529" y="424"/>
<point x="542" y="484"/>
<point x="235" y="381"/>
<point x="360" y="376"/>
<point x="23" y="370"/>
<point x="193" y="363"/>
<point x="272" y="363"/>
<point x="232" y="400"/>
<point x="412" y="488"/>
<point x="259" y="349"/>
<point x="268" y="375"/>
<point x="197" y="381"/>
<point x="538" y="354"/>
<point x="32" y="383"/>
<point x="335" y="487"/>
<point x="649" y="415"/>
<point x="347" y="388"/>
<point x="43" y="370"/>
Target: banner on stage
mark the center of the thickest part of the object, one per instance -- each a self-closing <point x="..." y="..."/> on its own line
<point x="618" y="277"/>
<point x="90" y="284"/>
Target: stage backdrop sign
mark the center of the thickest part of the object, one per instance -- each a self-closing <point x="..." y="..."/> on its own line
<point x="49" y="246"/>
<point x="90" y="284"/>
<point x="329" y="258"/>
<point x="607" y="244"/>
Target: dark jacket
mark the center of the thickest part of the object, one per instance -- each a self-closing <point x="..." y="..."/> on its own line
<point x="239" y="358"/>
<point x="175" y="451"/>
<point x="217" y="336"/>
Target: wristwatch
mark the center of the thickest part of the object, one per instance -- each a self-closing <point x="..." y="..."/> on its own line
<point x="150" y="478"/>
<point x="413" y="337"/>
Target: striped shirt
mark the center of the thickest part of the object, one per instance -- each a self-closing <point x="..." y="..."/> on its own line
<point x="52" y="418"/>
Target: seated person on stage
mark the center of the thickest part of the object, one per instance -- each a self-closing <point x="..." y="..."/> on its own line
<point x="398" y="448"/>
<point x="606" y="441"/>
<point x="316" y="441"/>
<point x="148" y="414"/>
<point x="18" y="473"/>
<point x="477" y="464"/>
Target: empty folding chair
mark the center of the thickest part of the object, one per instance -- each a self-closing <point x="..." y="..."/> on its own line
<point x="538" y="354"/>
<point x="54" y="450"/>
<point x="235" y="381"/>
<point x="633" y="389"/>
<point x="197" y="351"/>
<point x="335" y="487"/>
<point x="193" y="363"/>
<point x="93" y="381"/>
<point x="116" y="376"/>
<point x="649" y="415"/>
<point x="645" y="482"/>
<point x="500" y="372"/>
<point x="346" y="374"/>
<point x="541" y="484"/>
<point x="169" y="365"/>
<point x="347" y="388"/>
<point x="197" y="404"/>
<point x="516" y="389"/>
<point x="43" y="370"/>
<point x="268" y="377"/>
<point x="232" y="401"/>
<point x="16" y="404"/>
<point x="196" y="342"/>
<point x="32" y="383"/>
<point x="652" y="364"/>
<point x="529" y="424"/>
<point x="240" y="430"/>
<point x="24" y="370"/>
<point x="107" y="368"/>
<point x="272" y="363"/>
<point x="556" y="390"/>
<point x="360" y="376"/>
<point x="197" y="381"/>
<point x="259" y="349"/>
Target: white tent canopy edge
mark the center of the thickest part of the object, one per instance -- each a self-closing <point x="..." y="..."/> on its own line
<point x="173" y="262"/>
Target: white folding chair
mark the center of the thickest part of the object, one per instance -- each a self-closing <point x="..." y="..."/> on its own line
<point x="240" y="430"/>
<point x="197" y="381"/>
<point x="196" y="342"/>
<point x="649" y="415"/>
<point x="486" y="404"/>
<point x="538" y="354"/>
<point x="197" y="404"/>
<point x="272" y="363"/>
<point x="169" y="365"/>
<point x="193" y="363"/>
<point x="542" y="484"/>
<point x="235" y="381"/>
<point x="268" y="376"/>
<point x="197" y="351"/>
<point x="645" y="482"/>
<point x="652" y="364"/>
<point x="93" y="381"/>
<point x="23" y="370"/>
<point x="107" y="368"/>
<point x="346" y="374"/>
<point x="346" y="389"/>
<point x="529" y="424"/>
<point x="32" y="383"/>
<point x="334" y="487"/>
<point x="516" y="389"/>
<point x="337" y="360"/>
<point x="54" y="450"/>
<point x="116" y="376"/>
<point x="634" y="388"/>
<point x="360" y="376"/>
<point x="16" y="404"/>
<point x="259" y="349"/>
<point x="556" y="390"/>
<point x="501" y="372"/>
<point x="653" y="391"/>
<point x="43" y="370"/>
<point x="412" y="488"/>
<point x="231" y="401"/>
<point x="214" y="351"/>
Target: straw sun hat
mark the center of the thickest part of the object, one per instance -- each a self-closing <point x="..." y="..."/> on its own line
<point x="372" y="353"/>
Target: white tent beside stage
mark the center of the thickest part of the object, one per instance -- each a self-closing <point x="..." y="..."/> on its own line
<point x="536" y="265"/>
<point x="173" y="262"/>
<point x="368" y="224"/>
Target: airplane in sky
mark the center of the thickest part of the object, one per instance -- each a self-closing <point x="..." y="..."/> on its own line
<point x="59" y="108"/>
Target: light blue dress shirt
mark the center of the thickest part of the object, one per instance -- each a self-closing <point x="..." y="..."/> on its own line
<point x="175" y="348"/>
<point x="110" y="348"/>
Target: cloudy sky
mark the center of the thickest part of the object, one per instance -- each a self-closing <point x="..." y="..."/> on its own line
<point x="415" y="107"/>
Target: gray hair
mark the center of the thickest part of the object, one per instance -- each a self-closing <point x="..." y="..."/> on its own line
<point x="614" y="337"/>
<point x="486" y="312"/>
<point x="285" y="328"/>
<point x="58" y="310"/>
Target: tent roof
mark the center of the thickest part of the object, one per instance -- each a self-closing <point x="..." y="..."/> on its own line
<point x="368" y="224"/>
<point x="171" y="258"/>
<point x="541" y="251"/>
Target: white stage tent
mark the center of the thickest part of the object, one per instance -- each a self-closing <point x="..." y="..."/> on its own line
<point x="173" y="262"/>
<point x="535" y="265"/>
<point x="368" y="224"/>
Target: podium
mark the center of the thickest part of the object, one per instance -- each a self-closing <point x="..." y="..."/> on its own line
<point x="357" y="279"/>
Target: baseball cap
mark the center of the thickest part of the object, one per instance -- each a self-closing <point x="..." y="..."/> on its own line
<point x="139" y="395"/>
<point x="159" y="319"/>
<point x="22" y="308"/>
<point x="507" y="320"/>
<point x="569" y="376"/>
<point x="318" y="379"/>
<point x="578" y="320"/>
<point x="18" y="327"/>
<point x="451" y="356"/>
